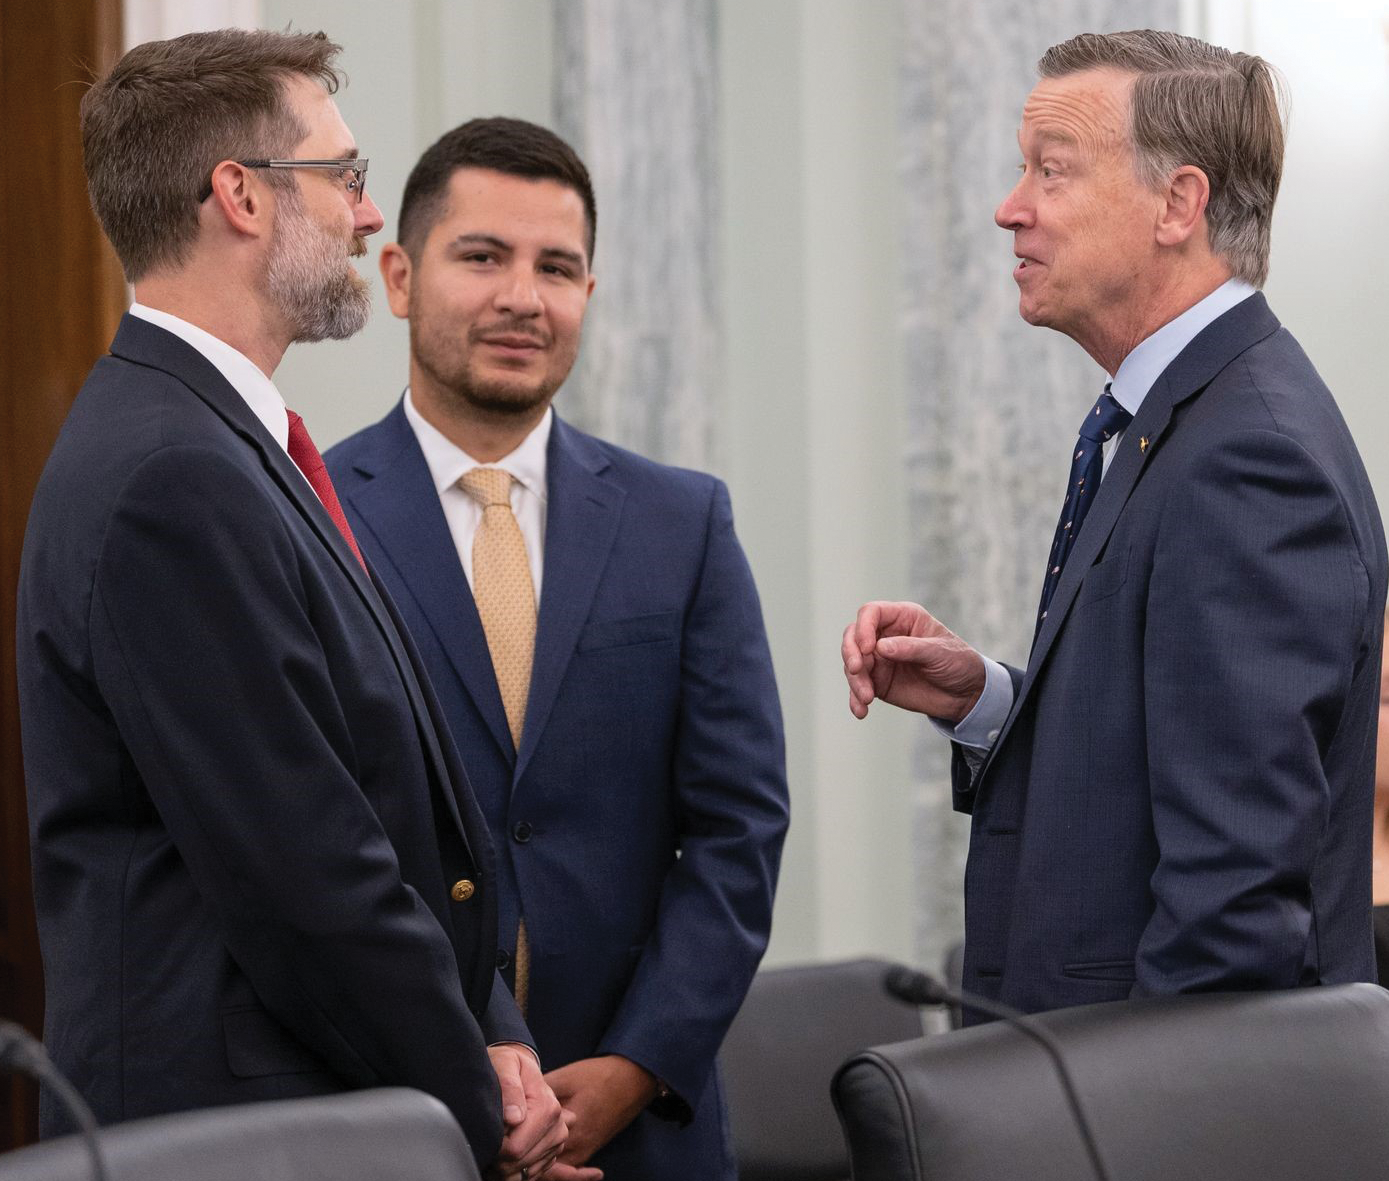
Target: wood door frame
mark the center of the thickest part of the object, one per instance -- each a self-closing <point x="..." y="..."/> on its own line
<point x="61" y="294"/>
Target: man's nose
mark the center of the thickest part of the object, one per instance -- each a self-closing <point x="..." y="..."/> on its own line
<point x="1013" y="212"/>
<point x="367" y="219"/>
<point x="519" y="293"/>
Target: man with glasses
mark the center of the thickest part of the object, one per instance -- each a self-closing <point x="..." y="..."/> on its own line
<point x="259" y="870"/>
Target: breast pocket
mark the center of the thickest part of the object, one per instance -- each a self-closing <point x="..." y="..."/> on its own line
<point x="1105" y="579"/>
<point x="624" y="633"/>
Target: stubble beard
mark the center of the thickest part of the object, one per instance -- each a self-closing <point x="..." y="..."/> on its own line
<point x="453" y="377"/>
<point x="320" y="295"/>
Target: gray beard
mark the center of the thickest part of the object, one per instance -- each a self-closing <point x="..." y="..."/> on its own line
<point x="319" y="294"/>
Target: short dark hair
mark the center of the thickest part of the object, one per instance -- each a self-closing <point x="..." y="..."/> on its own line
<point x="1197" y="104"/>
<point x="511" y="146"/>
<point x="169" y="111"/>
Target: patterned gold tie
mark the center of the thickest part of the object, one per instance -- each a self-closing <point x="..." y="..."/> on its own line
<point x="505" y="597"/>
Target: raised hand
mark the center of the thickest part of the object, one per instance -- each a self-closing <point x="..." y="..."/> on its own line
<point x="900" y="653"/>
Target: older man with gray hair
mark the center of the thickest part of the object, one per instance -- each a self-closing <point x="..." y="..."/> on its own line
<point x="1174" y="794"/>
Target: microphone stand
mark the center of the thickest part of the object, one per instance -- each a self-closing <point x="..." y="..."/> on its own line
<point x="918" y="988"/>
<point x="21" y="1052"/>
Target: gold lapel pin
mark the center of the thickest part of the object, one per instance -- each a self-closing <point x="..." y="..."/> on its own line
<point x="1143" y="443"/>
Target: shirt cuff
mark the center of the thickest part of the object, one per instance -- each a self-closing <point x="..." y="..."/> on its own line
<point x="980" y="727"/>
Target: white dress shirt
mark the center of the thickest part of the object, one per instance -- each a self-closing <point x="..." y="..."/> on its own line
<point x="1136" y="376"/>
<point x="448" y="462"/>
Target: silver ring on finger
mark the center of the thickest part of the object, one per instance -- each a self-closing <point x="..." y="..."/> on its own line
<point x="525" y="1173"/>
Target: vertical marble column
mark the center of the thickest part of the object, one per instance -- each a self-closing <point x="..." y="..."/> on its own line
<point x="635" y="94"/>
<point x="992" y="404"/>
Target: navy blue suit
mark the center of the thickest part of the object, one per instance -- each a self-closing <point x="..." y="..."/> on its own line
<point x="640" y="824"/>
<point x="246" y="810"/>
<point x="1180" y="800"/>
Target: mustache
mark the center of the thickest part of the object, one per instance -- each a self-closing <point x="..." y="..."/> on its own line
<point x="358" y="247"/>
<point x="522" y="328"/>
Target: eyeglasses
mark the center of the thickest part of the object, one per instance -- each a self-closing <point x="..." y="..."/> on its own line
<point x="352" y="173"/>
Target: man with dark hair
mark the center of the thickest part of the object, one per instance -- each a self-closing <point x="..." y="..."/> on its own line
<point x="1175" y="794"/>
<point x="590" y="623"/>
<point x="259" y="870"/>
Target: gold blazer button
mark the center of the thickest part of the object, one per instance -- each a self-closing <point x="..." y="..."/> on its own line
<point x="462" y="890"/>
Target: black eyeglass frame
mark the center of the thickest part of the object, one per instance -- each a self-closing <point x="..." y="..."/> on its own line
<point x="356" y="165"/>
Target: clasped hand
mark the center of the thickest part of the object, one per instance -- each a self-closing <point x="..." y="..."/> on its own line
<point x="535" y="1125"/>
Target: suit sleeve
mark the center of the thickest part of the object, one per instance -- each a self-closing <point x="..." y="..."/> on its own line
<point x="729" y="782"/>
<point x="1258" y="604"/>
<point x="502" y="1022"/>
<point x="207" y="653"/>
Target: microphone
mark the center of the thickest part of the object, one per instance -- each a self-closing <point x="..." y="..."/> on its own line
<point x="24" y="1054"/>
<point x="917" y="988"/>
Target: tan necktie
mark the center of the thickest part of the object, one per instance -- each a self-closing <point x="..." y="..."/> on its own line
<point x="505" y="597"/>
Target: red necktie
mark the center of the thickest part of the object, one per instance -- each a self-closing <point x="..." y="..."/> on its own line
<point x="310" y="462"/>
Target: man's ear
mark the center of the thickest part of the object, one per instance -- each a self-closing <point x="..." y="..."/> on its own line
<point x="395" y="274"/>
<point x="239" y="199"/>
<point x="1184" y="209"/>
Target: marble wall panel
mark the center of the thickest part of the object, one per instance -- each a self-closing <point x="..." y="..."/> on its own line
<point x="635" y="94"/>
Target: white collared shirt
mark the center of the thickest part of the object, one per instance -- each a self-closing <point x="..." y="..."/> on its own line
<point x="527" y="464"/>
<point x="244" y="376"/>
<point x="1137" y="374"/>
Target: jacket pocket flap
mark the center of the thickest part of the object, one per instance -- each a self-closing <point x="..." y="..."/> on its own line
<point x="258" y="1045"/>
<point x="1101" y="970"/>
<point x="1104" y="579"/>
<point x="639" y="629"/>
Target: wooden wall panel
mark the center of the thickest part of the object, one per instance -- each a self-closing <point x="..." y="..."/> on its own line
<point x="60" y="297"/>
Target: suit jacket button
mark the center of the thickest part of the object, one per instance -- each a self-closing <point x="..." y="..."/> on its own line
<point x="522" y="832"/>
<point x="503" y="959"/>
<point x="462" y="890"/>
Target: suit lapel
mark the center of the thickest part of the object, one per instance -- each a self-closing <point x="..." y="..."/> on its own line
<point x="147" y="344"/>
<point x="144" y="343"/>
<point x="1190" y="372"/>
<point x="400" y="505"/>
<point x="580" y="526"/>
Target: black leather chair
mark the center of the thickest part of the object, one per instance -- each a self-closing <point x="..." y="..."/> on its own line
<point x="1285" y="1086"/>
<point x="795" y="1028"/>
<point x="393" y="1133"/>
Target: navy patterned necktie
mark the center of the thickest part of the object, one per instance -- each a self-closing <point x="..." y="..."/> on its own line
<point x="1104" y="419"/>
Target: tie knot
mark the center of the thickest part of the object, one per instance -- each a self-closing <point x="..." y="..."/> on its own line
<point x="1106" y="417"/>
<point x="488" y="486"/>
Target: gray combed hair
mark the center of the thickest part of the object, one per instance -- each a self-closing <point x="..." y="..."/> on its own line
<point x="1197" y="104"/>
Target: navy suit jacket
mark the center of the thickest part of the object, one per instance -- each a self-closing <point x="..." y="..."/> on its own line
<point x="245" y="808"/>
<point x="639" y="827"/>
<point x="1180" y="800"/>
